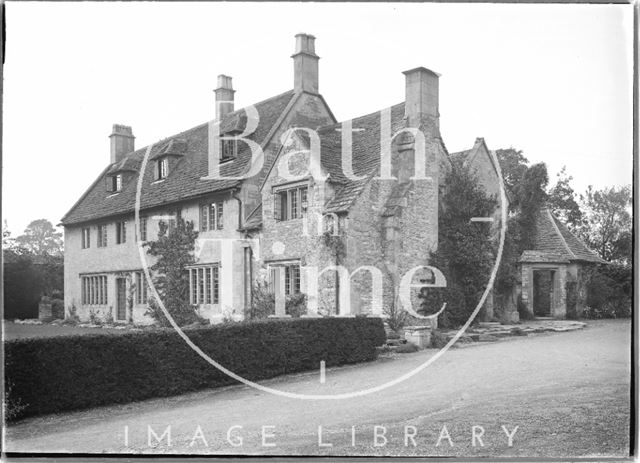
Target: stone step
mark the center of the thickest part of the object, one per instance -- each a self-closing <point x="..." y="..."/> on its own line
<point x="488" y="324"/>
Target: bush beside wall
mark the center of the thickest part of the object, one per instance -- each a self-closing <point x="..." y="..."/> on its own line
<point x="610" y="290"/>
<point x="49" y="375"/>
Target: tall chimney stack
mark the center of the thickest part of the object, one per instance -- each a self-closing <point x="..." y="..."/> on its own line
<point x="224" y="96"/>
<point x="305" y="64"/>
<point x="122" y="142"/>
<point x="421" y="97"/>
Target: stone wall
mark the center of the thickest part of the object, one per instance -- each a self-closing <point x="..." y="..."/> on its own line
<point x="559" y="302"/>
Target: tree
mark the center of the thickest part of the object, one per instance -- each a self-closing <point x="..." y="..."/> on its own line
<point x="41" y="238"/>
<point x="513" y="165"/>
<point x="607" y="222"/>
<point x="174" y="252"/>
<point x="529" y="196"/>
<point x="33" y="267"/>
<point x="465" y="252"/>
<point x="562" y="201"/>
<point x="23" y="285"/>
<point x="7" y="241"/>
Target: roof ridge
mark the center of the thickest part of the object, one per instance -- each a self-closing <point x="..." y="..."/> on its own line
<point x="92" y="206"/>
<point x="327" y="127"/>
<point x="203" y="124"/>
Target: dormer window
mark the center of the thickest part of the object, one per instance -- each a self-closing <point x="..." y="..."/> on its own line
<point x="229" y="149"/>
<point x="162" y="169"/>
<point x="114" y="183"/>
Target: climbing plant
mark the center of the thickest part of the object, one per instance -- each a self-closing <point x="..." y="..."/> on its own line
<point x="527" y="197"/>
<point x="174" y="252"/>
<point x="465" y="252"/>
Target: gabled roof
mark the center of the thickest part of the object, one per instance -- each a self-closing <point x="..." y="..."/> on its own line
<point x="365" y="155"/>
<point x="553" y="242"/>
<point x="185" y="178"/>
<point x="464" y="158"/>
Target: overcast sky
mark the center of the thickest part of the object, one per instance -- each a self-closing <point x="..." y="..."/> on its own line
<point x="552" y="80"/>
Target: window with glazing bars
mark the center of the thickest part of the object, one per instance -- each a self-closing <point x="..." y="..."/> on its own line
<point x="204" y="285"/>
<point x="290" y="203"/>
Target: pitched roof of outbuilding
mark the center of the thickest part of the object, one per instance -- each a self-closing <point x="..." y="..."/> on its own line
<point x="185" y="179"/>
<point x="553" y="242"/>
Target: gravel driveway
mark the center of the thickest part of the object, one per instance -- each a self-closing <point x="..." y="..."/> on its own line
<point x="567" y="393"/>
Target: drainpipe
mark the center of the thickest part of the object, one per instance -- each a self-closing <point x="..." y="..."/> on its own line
<point x="234" y="196"/>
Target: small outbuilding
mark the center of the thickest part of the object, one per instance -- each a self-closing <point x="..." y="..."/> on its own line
<point x="555" y="273"/>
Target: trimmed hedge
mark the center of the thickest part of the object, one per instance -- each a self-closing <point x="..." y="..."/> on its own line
<point x="49" y="375"/>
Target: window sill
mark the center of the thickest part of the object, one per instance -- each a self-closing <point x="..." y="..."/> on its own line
<point x="113" y="194"/>
<point x="298" y="219"/>
<point x="158" y="181"/>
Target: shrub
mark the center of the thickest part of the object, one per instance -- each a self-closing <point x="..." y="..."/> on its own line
<point x="57" y="308"/>
<point x="108" y="318"/>
<point x="609" y="291"/>
<point x="94" y="318"/>
<point x="438" y="339"/>
<point x="296" y="305"/>
<point x="262" y="301"/>
<point x="465" y="253"/>
<point x="396" y="316"/>
<point x="174" y="250"/>
<point x="104" y="368"/>
<point x="523" y="312"/>
<point x="13" y="408"/>
<point x="73" y="317"/>
<point x="407" y="348"/>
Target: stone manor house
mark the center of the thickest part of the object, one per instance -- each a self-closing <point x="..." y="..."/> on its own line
<point x="277" y="216"/>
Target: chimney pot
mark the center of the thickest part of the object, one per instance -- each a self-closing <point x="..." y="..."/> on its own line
<point x="305" y="43"/>
<point x="421" y="98"/>
<point x="224" y="96"/>
<point x="305" y="64"/>
<point x="122" y="142"/>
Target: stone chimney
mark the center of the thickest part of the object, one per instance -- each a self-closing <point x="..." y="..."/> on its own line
<point x="305" y="64"/>
<point x="421" y="98"/>
<point x="122" y="142"/>
<point x="224" y="96"/>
